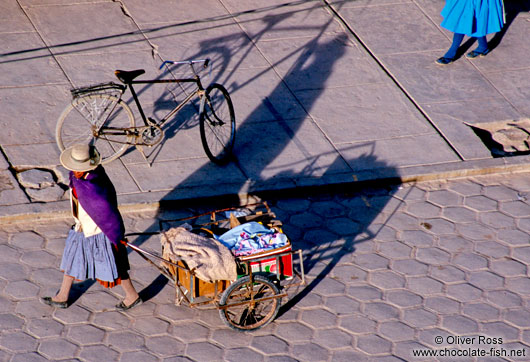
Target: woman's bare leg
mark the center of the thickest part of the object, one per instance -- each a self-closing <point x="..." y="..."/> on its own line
<point x="130" y="293"/>
<point x="64" y="292"/>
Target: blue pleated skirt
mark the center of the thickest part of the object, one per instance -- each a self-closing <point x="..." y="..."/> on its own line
<point x="474" y="18"/>
<point x="94" y="257"/>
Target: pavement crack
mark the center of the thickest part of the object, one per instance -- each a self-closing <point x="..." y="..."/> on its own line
<point x="123" y="8"/>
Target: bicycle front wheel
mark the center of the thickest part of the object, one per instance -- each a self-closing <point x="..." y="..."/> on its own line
<point x="100" y="120"/>
<point x="217" y="124"/>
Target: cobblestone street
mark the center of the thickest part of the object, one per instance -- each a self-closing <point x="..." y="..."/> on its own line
<point x="390" y="271"/>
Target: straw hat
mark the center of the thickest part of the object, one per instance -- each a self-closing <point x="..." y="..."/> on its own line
<point x="80" y="158"/>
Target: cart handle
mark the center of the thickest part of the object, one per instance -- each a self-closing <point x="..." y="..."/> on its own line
<point x="142" y="251"/>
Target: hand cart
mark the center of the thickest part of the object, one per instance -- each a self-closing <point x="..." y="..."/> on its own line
<point x="254" y="298"/>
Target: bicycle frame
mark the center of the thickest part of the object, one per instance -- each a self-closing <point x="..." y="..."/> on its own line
<point x="197" y="80"/>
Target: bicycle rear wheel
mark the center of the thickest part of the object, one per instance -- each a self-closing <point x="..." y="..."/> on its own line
<point x="217" y="124"/>
<point x="99" y="120"/>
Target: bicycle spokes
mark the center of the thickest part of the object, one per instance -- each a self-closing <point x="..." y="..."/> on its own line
<point x="97" y="119"/>
<point x="217" y="124"/>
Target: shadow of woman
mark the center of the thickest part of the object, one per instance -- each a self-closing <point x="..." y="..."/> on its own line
<point x="331" y="236"/>
<point x="314" y="63"/>
<point x="512" y="9"/>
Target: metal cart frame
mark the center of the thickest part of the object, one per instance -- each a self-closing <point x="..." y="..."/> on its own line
<point x="251" y="301"/>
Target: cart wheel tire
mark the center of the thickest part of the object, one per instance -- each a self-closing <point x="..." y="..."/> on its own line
<point x="250" y="315"/>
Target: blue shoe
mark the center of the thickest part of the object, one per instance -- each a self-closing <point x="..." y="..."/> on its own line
<point x="473" y="54"/>
<point x="444" y="61"/>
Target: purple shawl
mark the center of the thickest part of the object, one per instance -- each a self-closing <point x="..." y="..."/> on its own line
<point x="97" y="195"/>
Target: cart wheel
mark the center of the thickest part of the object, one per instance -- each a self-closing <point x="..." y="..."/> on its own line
<point x="241" y="307"/>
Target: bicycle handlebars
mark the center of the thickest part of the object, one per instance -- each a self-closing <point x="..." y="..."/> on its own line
<point x="206" y="62"/>
<point x="190" y="62"/>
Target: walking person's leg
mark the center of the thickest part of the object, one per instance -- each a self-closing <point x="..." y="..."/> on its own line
<point x="450" y="55"/>
<point x="64" y="292"/>
<point x="132" y="298"/>
<point x="481" y="50"/>
<point x="61" y="298"/>
<point x="131" y="295"/>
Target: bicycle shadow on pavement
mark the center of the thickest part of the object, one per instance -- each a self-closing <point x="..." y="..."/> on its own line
<point x="221" y="51"/>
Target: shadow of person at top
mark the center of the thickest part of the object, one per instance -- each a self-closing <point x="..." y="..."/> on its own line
<point x="260" y="144"/>
<point x="269" y="148"/>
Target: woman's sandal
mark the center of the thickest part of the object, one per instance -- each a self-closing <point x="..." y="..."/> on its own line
<point x="122" y="306"/>
<point x="444" y="61"/>
<point x="49" y="301"/>
<point x="473" y="54"/>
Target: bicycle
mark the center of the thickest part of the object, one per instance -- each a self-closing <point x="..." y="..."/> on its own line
<point x="97" y="115"/>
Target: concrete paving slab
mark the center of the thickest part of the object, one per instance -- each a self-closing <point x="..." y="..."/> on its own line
<point x="271" y="99"/>
<point x="283" y="20"/>
<point x="38" y="106"/>
<point x="510" y="45"/>
<point x="183" y="173"/>
<point x="33" y="155"/>
<point x="85" y="28"/>
<point x="324" y="62"/>
<point x="321" y="154"/>
<point x="87" y="69"/>
<point x="513" y="85"/>
<point x="30" y="3"/>
<point x="356" y="113"/>
<point x="394" y="28"/>
<point x="182" y="141"/>
<point x="290" y="63"/>
<point x="428" y="82"/>
<point x="451" y="118"/>
<point x="26" y="61"/>
<point x="432" y="9"/>
<point x="174" y="11"/>
<point x="13" y="18"/>
<point x="4" y="165"/>
<point x="10" y="192"/>
<point x="119" y="174"/>
<point x="473" y="111"/>
<point x="365" y="156"/>
<point x="222" y="41"/>
<point x="286" y="154"/>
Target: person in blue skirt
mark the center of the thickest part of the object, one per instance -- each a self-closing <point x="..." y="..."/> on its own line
<point x="94" y="247"/>
<point x="474" y="18"/>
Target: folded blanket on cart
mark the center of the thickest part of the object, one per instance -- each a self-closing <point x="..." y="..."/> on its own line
<point x="251" y="238"/>
<point x="206" y="257"/>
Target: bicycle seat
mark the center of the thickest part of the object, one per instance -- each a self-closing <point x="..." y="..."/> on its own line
<point x="127" y="76"/>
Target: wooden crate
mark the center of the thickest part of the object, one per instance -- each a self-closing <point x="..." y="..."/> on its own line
<point x="187" y="280"/>
<point x="197" y="287"/>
